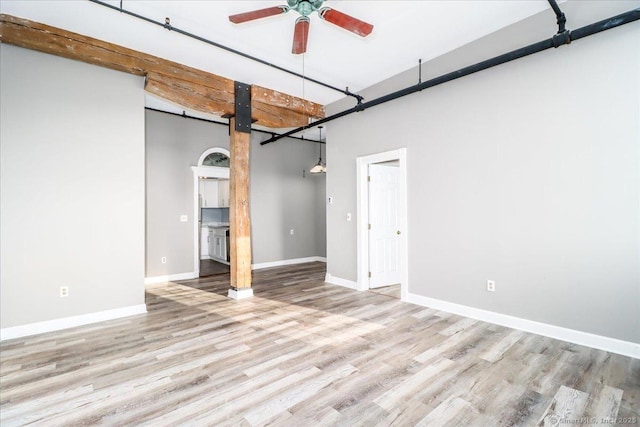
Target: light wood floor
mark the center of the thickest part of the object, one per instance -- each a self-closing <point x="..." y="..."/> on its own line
<point x="209" y="267"/>
<point x="392" y="291"/>
<point x="305" y="353"/>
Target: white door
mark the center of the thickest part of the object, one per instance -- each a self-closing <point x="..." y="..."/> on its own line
<point x="384" y="231"/>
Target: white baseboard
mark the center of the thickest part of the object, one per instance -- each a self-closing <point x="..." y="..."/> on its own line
<point x="599" y="342"/>
<point x="240" y="293"/>
<point x="341" y="282"/>
<point x="170" y="278"/>
<point x="69" y="322"/>
<point x="287" y="262"/>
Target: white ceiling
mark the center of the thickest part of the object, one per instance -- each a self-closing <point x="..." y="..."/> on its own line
<point x="404" y="32"/>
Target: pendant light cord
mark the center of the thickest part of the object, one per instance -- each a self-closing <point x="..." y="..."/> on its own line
<point x="303" y="89"/>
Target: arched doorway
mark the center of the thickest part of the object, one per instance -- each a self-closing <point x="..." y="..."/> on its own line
<point x="211" y="207"/>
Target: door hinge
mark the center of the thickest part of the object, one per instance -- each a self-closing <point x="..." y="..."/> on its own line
<point x="369" y="178"/>
<point x="369" y="274"/>
<point x="369" y="226"/>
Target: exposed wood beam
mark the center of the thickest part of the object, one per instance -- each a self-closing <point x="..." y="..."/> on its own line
<point x="186" y="86"/>
<point x="190" y="95"/>
<point x="277" y="117"/>
<point x="279" y="99"/>
<point x="239" y="219"/>
<point x="203" y="98"/>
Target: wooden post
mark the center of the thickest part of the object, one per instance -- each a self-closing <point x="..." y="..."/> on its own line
<point x="239" y="220"/>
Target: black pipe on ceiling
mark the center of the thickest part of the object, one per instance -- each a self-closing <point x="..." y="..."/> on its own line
<point x="555" y="41"/>
<point x="561" y="19"/>
<point x="169" y="27"/>
<point x="186" y="116"/>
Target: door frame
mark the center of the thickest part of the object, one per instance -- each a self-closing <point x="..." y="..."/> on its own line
<point x="362" y="200"/>
<point x="202" y="172"/>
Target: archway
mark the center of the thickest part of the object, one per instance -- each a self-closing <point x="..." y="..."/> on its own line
<point x="213" y="164"/>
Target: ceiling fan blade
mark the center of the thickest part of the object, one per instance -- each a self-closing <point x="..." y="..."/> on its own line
<point x="345" y="21"/>
<point x="257" y="14"/>
<point x="300" y="35"/>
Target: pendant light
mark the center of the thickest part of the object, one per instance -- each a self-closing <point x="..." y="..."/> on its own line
<point x="320" y="167"/>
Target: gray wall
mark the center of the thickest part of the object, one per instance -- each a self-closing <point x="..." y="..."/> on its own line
<point x="527" y="174"/>
<point x="173" y="145"/>
<point x="72" y="187"/>
<point x="281" y="199"/>
<point x="321" y="213"/>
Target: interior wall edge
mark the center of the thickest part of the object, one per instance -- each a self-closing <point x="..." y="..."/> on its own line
<point x="613" y="345"/>
<point x="70" y="322"/>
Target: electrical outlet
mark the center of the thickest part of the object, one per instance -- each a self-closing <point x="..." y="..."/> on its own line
<point x="64" y="291"/>
<point x="291" y="231"/>
<point x="491" y="286"/>
<point x="163" y="259"/>
<point x="184" y="218"/>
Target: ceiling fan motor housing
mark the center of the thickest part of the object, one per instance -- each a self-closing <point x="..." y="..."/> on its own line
<point x="305" y="7"/>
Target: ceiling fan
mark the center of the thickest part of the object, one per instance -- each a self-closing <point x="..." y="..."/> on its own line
<point x="306" y="8"/>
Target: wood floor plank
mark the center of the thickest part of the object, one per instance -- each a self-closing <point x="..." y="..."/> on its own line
<point x="445" y="413"/>
<point x="630" y="404"/>
<point x="299" y="353"/>
<point x="267" y="410"/>
<point x="567" y="406"/>
<point x="244" y="405"/>
<point x="608" y="404"/>
<point x="392" y="397"/>
<point x="447" y="345"/>
<point x="496" y="352"/>
<point x="460" y="325"/>
<point x="200" y="400"/>
<point x="326" y="416"/>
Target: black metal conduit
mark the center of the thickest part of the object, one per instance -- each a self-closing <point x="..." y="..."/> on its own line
<point x="562" y="20"/>
<point x="186" y="116"/>
<point x="557" y="40"/>
<point x="228" y="49"/>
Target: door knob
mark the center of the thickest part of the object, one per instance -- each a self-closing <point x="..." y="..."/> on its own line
<point x="398" y="232"/>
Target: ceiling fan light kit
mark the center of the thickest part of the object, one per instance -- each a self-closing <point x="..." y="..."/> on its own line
<point x="305" y="8"/>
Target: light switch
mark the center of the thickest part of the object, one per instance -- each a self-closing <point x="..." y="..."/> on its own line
<point x="184" y="218"/>
<point x="349" y="216"/>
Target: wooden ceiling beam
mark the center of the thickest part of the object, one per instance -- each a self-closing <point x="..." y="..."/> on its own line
<point x="190" y="95"/>
<point x="203" y="98"/>
<point x="277" y="117"/>
<point x="189" y="87"/>
<point x="288" y="102"/>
